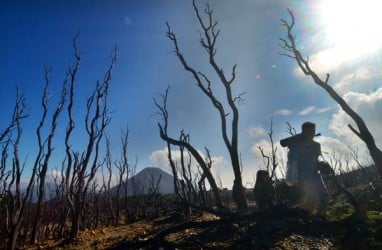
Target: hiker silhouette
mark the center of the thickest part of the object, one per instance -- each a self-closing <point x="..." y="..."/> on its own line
<point x="302" y="166"/>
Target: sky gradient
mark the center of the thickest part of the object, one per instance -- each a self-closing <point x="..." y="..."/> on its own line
<point x="40" y="33"/>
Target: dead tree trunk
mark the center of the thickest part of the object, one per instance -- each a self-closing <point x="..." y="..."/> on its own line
<point x="289" y="45"/>
<point x="97" y="118"/>
<point x="263" y="190"/>
<point x="82" y="167"/>
<point x="184" y="142"/>
<point x="8" y="231"/>
<point x="230" y="138"/>
<point x="200" y="161"/>
<point x="42" y="170"/>
<point x="164" y="114"/>
<point x="107" y="185"/>
<point x="71" y="157"/>
<point x="188" y="189"/>
<point x="124" y="172"/>
<point x="16" y="206"/>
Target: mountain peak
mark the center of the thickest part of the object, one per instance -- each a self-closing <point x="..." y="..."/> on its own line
<point x="147" y="178"/>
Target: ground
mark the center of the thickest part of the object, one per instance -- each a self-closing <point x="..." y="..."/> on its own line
<point x="276" y="228"/>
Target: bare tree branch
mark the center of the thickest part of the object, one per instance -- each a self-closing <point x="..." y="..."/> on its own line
<point x="289" y="45"/>
<point x="209" y="36"/>
<point x="183" y="142"/>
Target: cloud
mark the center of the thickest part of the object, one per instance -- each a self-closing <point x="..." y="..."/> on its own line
<point x="335" y="59"/>
<point x="329" y="60"/>
<point x="221" y="168"/>
<point x="330" y="145"/>
<point x="323" y="110"/>
<point x="344" y="85"/>
<point x="267" y="149"/>
<point x="257" y="131"/>
<point x="313" y="110"/>
<point x="369" y="107"/>
<point x="284" y="112"/>
<point x="359" y="80"/>
<point x="159" y="158"/>
<point x="307" y="111"/>
<point x="341" y="155"/>
<point x="53" y="175"/>
<point x="266" y="145"/>
<point x="224" y="177"/>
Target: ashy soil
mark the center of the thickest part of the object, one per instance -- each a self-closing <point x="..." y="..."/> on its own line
<point x="277" y="228"/>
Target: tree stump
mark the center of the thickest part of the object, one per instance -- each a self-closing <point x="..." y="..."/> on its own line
<point x="263" y="190"/>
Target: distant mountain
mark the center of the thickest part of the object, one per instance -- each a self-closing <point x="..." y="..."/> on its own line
<point x="147" y="179"/>
<point x="138" y="184"/>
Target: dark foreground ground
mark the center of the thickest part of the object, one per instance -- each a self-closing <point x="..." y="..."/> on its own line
<point x="275" y="228"/>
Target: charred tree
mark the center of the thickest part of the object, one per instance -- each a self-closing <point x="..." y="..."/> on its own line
<point x="43" y="159"/>
<point x="363" y="132"/>
<point x="107" y="185"/>
<point x="82" y="167"/>
<point x="15" y="206"/>
<point x="125" y="171"/>
<point x="164" y="114"/>
<point x="209" y="36"/>
<point x="184" y="142"/>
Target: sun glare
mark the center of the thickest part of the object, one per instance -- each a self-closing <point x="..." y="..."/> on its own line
<point x="353" y="26"/>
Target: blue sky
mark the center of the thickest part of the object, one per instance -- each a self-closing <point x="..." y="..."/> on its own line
<point x="39" y="33"/>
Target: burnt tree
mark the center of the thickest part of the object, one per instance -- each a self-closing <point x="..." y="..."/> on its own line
<point x="42" y="159"/>
<point x="164" y="114"/>
<point x="183" y="141"/>
<point x="229" y="116"/>
<point x="125" y="171"/>
<point x="81" y="167"/>
<point x="15" y="198"/>
<point x="363" y="132"/>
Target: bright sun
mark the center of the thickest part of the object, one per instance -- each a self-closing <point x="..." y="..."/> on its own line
<point x="354" y="26"/>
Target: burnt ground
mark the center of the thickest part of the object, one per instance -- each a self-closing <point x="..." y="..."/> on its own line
<point x="276" y="228"/>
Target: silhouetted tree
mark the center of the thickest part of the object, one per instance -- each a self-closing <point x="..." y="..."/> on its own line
<point x="164" y="114"/>
<point x="229" y="119"/>
<point x="125" y="171"/>
<point x="289" y="45"/>
<point x="183" y="141"/>
<point x="45" y="149"/>
<point x="270" y="161"/>
<point x="263" y="190"/>
<point x="74" y="192"/>
<point x="188" y="178"/>
<point x="81" y="167"/>
<point x="15" y="199"/>
<point x="106" y="186"/>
